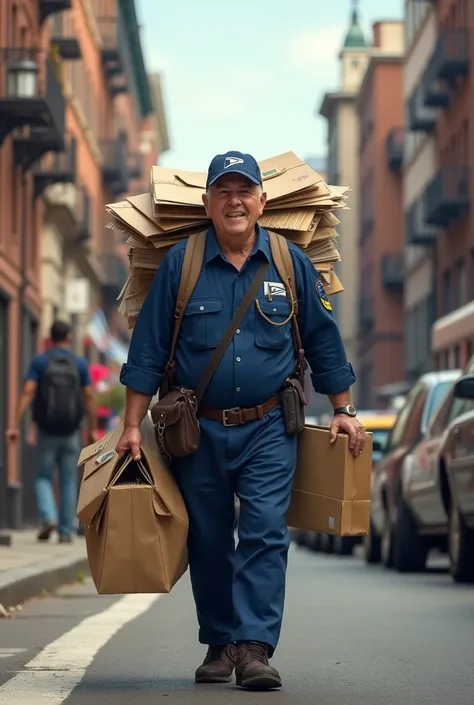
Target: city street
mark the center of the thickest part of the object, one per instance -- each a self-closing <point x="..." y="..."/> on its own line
<point x="353" y="635"/>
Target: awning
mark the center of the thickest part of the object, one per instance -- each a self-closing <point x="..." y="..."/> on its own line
<point x="453" y="328"/>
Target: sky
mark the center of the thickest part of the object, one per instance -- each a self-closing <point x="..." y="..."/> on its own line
<point x="250" y="74"/>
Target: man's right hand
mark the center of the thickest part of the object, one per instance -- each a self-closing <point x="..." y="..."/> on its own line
<point x="130" y="440"/>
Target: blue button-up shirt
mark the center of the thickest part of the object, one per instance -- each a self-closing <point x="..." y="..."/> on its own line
<point x="260" y="356"/>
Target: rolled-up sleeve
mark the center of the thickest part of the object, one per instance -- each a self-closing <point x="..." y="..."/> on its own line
<point x="322" y="341"/>
<point x="151" y="338"/>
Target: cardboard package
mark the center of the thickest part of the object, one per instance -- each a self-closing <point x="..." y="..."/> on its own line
<point x="135" y="520"/>
<point x="300" y="206"/>
<point x="331" y="491"/>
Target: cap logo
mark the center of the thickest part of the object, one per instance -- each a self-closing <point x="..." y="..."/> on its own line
<point x="232" y="161"/>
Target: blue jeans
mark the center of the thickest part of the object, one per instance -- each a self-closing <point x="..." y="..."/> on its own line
<point x="61" y="452"/>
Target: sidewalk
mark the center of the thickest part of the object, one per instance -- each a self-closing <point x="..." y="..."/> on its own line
<point x="28" y="567"/>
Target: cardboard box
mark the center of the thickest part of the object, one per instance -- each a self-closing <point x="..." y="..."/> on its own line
<point x="136" y="523"/>
<point x="331" y="491"/>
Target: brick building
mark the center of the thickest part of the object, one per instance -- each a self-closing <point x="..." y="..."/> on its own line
<point x="448" y="89"/>
<point x="77" y="131"/>
<point x="338" y="107"/>
<point x="380" y="257"/>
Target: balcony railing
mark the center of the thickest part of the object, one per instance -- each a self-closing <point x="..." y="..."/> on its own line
<point x="393" y="269"/>
<point x="115" y="167"/>
<point x="417" y="231"/>
<point x="63" y="37"/>
<point x="450" y="58"/>
<point x="447" y="195"/>
<point x="366" y="313"/>
<point x="56" y="167"/>
<point x="31" y="93"/>
<point x="83" y="213"/>
<point x="50" y="7"/>
<point x="395" y="148"/>
<point x="419" y="117"/>
<point x="114" y="273"/>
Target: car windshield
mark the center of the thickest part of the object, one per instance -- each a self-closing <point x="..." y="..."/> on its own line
<point x="381" y="436"/>
<point x="437" y="395"/>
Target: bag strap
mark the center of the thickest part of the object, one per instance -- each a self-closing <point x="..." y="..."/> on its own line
<point x="227" y="337"/>
<point x="284" y="263"/>
<point x="190" y="271"/>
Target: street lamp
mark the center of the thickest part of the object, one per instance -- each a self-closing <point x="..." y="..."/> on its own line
<point x="23" y="79"/>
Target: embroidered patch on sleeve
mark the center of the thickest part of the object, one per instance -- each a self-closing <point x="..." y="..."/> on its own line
<point x="322" y="295"/>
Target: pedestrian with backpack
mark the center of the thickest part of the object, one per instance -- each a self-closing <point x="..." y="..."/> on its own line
<point x="224" y="334"/>
<point x="58" y="387"/>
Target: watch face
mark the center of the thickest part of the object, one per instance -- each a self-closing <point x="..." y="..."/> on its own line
<point x="351" y="410"/>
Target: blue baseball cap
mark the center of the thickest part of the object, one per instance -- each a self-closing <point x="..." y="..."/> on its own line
<point x="235" y="163"/>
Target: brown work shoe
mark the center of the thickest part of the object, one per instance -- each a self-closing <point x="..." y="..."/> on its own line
<point x="218" y="665"/>
<point x="253" y="670"/>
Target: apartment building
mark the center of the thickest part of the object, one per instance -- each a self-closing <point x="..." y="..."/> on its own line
<point x="77" y="132"/>
<point x="108" y="102"/>
<point x="32" y="108"/>
<point x="448" y="87"/>
<point x="379" y="108"/>
<point x="338" y="107"/>
<point x="419" y="170"/>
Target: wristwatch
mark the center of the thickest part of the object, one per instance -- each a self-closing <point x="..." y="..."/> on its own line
<point x="348" y="410"/>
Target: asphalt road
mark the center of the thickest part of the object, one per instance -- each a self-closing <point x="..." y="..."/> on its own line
<point x="353" y="635"/>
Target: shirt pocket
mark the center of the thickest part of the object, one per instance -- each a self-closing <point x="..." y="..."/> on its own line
<point x="267" y="334"/>
<point x="202" y="323"/>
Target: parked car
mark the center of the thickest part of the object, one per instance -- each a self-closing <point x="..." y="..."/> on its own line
<point x="457" y="452"/>
<point x="386" y="491"/>
<point x="425" y="504"/>
<point x="380" y="424"/>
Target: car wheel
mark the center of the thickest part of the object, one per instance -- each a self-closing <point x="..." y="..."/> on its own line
<point x="410" y="550"/>
<point x="372" y="546"/>
<point x="314" y="542"/>
<point x="327" y="543"/>
<point x="461" y="548"/>
<point x="344" y="545"/>
<point x="386" y="547"/>
<point x="300" y="538"/>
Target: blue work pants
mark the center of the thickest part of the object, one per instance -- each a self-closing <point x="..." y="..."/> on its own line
<point x="239" y="591"/>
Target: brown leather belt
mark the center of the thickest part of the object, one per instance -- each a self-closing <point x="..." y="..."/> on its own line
<point x="237" y="416"/>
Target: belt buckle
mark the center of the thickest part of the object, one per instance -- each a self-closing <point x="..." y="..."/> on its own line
<point x="234" y="409"/>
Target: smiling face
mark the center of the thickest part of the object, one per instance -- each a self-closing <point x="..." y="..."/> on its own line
<point x="234" y="204"/>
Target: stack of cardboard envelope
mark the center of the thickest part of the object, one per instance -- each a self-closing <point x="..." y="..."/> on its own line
<point x="300" y="205"/>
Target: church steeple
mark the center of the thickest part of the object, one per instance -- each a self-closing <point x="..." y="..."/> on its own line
<point x="355" y="36"/>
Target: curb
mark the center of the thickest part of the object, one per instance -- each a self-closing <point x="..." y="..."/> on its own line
<point x="23" y="584"/>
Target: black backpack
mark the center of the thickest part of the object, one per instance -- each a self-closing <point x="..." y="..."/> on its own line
<point x="58" y="407"/>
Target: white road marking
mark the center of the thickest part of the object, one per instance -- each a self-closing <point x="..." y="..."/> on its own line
<point x="8" y="653"/>
<point x="52" y="675"/>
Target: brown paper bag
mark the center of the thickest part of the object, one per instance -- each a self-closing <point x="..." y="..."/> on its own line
<point x="136" y="523"/>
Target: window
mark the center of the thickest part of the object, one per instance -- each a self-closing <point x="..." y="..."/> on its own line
<point x="447" y="293"/>
<point x="438" y="395"/>
<point x="460" y="285"/>
<point x="404" y="429"/>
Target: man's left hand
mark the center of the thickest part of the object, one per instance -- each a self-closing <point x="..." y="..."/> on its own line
<point x="353" y="427"/>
